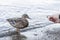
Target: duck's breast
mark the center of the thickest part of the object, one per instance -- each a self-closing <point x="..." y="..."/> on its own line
<point x="25" y="23"/>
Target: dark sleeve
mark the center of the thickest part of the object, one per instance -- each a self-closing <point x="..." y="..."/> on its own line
<point x="59" y="16"/>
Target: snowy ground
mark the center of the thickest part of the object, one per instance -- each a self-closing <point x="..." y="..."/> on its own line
<point x="51" y="32"/>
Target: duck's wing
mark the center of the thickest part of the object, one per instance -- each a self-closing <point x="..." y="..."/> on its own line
<point x="13" y="21"/>
<point x="19" y="25"/>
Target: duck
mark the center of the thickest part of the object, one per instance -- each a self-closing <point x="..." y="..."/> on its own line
<point x="19" y="23"/>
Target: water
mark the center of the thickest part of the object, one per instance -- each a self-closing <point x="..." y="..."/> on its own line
<point x="38" y="19"/>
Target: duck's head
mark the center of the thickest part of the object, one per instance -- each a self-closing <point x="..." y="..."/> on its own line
<point x="25" y="16"/>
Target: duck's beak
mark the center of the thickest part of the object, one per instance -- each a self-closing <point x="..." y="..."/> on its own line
<point x="29" y="18"/>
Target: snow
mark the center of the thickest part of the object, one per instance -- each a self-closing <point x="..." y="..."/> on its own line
<point x="50" y="32"/>
<point x="53" y="28"/>
<point x="40" y="28"/>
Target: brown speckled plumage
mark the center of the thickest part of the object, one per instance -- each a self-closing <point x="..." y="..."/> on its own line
<point x="19" y="23"/>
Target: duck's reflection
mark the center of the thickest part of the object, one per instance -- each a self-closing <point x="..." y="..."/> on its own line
<point x="18" y="36"/>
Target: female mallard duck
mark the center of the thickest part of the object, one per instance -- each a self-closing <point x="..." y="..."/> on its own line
<point x="19" y="23"/>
